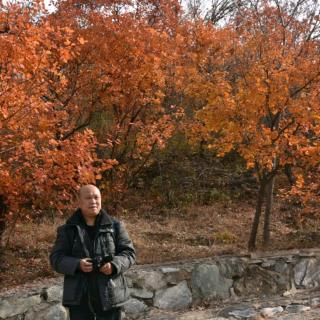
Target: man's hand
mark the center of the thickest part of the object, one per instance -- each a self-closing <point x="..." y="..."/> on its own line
<point x="106" y="269"/>
<point x="86" y="265"/>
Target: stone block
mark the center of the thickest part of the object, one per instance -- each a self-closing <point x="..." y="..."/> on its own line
<point x="261" y="282"/>
<point x="208" y="282"/>
<point x="134" y="308"/>
<point x="307" y="273"/>
<point x="51" y="312"/>
<point x="150" y="280"/>
<point x="300" y="270"/>
<point x="269" y="312"/>
<point x="140" y="293"/>
<point x="14" y="306"/>
<point x="232" y="267"/>
<point x="174" y="298"/>
<point x="53" y="294"/>
<point x="297" y="308"/>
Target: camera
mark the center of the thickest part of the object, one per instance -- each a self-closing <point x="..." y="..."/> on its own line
<point x="99" y="261"/>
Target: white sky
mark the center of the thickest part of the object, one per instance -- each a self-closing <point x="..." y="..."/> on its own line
<point x="204" y="7"/>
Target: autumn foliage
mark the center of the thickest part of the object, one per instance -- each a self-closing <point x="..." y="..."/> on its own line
<point x="82" y="90"/>
<point x="93" y="90"/>
<point x="39" y="170"/>
<point x="262" y="98"/>
<point x="119" y="79"/>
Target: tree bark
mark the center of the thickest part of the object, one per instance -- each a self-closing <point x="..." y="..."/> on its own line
<point x="289" y="174"/>
<point x="268" y="210"/>
<point x="3" y="209"/>
<point x="255" y="224"/>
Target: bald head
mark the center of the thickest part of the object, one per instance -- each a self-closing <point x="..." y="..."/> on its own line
<point x="89" y="202"/>
<point x="88" y="188"/>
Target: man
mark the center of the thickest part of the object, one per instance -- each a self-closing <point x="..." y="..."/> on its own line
<point x="93" y="250"/>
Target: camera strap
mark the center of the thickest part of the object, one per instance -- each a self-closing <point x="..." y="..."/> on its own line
<point x="87" y="254"/>
<point x="85" y="249"/>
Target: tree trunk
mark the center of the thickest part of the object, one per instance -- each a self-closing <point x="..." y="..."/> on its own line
<point x="289" y="174"/>
<point x="255" y="224"/>
<point x="3" y="209"/>
<point x="268" y="210"/>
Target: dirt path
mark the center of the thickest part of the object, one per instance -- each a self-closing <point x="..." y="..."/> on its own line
<point x="302" y="306"/>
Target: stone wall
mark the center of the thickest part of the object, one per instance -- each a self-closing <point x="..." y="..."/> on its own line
<point x="180" y="285"/>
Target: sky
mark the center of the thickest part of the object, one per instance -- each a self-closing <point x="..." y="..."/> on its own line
<point x="205" y="4"/>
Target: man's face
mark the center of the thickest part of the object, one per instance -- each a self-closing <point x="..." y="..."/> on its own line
<point x="90" y="201"/>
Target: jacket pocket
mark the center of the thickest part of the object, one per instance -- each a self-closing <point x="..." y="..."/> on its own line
<point x="117" y="290"/>
<point x="72" y="289"/>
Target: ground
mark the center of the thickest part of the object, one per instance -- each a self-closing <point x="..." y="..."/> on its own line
<point x="165" y="235"/>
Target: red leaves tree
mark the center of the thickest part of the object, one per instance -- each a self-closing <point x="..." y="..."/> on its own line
<point x="119" y="81"/>
<point x="263" y="99"/>
<point x="82" y="89"/>
<point x="39" y="170"/>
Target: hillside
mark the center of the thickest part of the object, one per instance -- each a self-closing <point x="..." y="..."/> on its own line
<point x="165" y="235"/>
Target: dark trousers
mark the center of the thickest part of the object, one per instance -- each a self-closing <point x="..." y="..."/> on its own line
<point x="84" y="312"/>
<point x="79" y="313"/>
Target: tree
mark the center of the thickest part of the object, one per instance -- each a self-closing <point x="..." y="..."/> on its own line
<point x="39" y="170"/>
<point x="82" y="98"/>
<point x="262" y="99"/>
<point x="223" y="10"/>
<point x="118" y="81"/>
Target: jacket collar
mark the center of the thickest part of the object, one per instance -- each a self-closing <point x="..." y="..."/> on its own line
<point x="103" y="219"/>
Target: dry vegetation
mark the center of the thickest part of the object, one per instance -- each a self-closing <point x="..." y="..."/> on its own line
<point x="167" y="235"/>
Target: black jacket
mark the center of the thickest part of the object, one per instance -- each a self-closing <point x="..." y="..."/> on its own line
<point x="111" y="239"/>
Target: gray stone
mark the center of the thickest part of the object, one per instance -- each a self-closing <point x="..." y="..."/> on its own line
<point x="14" y="306"/>
<point x="208" y="283"/>
<point x="150" y="280"/>
<point x="232" y="267"/>
<point x="261" y="282"/>
<point x="305" y="253"/>
<point x="134" y="308"/>
<point x="209" y="278"/>
<point x="268" y="264"/>
<point x="37" y="311"/>
<point x="312" y="275"/>
<point x="297" y="308"/>
<point x="168" y="269"/>
<point x="245" y="313"/>
<point x="315" y="302"/>
<point x="255" y="261"/>
<point x="300" y="270"/>
<point x="228" y="310"/>
<point x="281" y="266"/>
<point x="269" y="312"/>
<point x="176" y="276"/>
<point x="55" y="312"/>
<point x="174" y="298"/>
<point x="140" y="293"/>
<point x="54" y="293"/>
